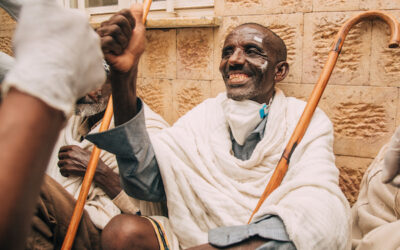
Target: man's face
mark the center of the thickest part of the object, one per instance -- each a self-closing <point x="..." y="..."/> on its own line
<point x="94" y="102"/>
<point x="247" y="65"/>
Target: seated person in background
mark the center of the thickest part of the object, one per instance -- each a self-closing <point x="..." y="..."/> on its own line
<point x="376" y="223"/>
<point x="39" y="93"/>
<point x="68" y="165"/>
<point x="216" y="160"/>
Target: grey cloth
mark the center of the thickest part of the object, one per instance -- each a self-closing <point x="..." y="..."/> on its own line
<point x="138" y="168"/>
<point x="277" y="245"/>
<point x="6" y="63"/>
<point x="141" y="177"/>
<point x="12" y="7"/>
<point x="269" y="227"/>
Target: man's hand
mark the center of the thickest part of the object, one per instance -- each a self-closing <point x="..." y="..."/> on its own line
<point x="123" y="38"/>
<point x="73" y="160"/>
<point x="391" y="169"/>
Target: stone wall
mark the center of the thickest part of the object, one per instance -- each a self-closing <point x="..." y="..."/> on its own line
<point x="180" y="69"/>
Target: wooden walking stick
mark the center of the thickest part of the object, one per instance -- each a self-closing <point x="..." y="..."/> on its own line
<point x="91" y="168"/>
<point x="315" y="96"/>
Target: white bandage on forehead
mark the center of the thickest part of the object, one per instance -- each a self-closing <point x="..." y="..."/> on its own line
<point x="258" y="39"/>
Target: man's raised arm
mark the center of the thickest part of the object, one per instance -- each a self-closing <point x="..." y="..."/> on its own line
<point x="122" y="41"/>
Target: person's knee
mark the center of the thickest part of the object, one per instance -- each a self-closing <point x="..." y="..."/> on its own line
<point x="129" y="232"/>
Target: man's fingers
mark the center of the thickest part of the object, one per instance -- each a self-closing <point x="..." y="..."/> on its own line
<point x="66" y="148"/>
<point x="131" y="20"/>
<point x="123" y="19"/>
<point x="116" y="33"/>
<point x="110" y="45"/>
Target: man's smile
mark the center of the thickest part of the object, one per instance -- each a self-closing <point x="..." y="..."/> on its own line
<point x="237" y="78"/>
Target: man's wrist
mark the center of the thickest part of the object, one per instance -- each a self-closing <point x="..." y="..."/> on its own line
<point x="108" y="181"/>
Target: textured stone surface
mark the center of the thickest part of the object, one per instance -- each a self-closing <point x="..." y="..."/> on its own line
<point x="379" y="4"/>
<point x="7" y="26"/>
<point x="363" y="118"/>
<point x="238" y="7"/>
<point x="287" y="6"/>
<point x="157" y="94"/>
<point x="351" y="172"/>
<point x="385" y="62"/>
<point x="354" y="60"/>
<point x="288" y="26"/>
<point x="335" y="5"/>
<point x="159" y="59"/>
<point x="195" y="53"/>
<point x="187" y="94"/>
<point x="250" y="7"/>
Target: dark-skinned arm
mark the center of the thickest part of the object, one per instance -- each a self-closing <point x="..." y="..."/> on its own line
<point x="123" y="42"/>
<point x="29" y="129"/>
<point x="129" y="140"/>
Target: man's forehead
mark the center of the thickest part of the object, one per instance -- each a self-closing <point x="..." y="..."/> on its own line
<point x="247" y="32"/>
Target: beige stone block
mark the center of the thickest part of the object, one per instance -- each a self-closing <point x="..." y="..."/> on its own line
<point x="379" y="4"/>
<point x="351" y="170"/>
<point x="288" y="26"/>
<point x="159" y="58"/>
<point x="251" y="7"/>
<point x="217" y="86"/>
<point x="385" y="62"/>
<point x="363" y="117"/>
<point x="238" y="7"/>
<point x="287" y="6"/>
<point x="352" y="67"/>
<point x="7" y="28"/>
<point x="5" y="18"/>
<point x="195" y="53"/>
<point x="335" y="5"/>
<point x="157" y="94"/>
<point x="187" y="94"/>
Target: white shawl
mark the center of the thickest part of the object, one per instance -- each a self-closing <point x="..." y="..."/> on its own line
<point x="207" y="187"/>
<point x="98" y="205"/>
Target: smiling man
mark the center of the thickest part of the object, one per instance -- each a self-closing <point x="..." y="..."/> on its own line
<point x="213" y="164"/>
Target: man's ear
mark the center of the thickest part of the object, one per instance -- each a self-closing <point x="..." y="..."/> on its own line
<point x="281" y="71"/>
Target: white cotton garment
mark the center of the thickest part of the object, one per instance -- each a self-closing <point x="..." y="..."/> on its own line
<point x="242" y="117"/>
<point x="208" y="187"/>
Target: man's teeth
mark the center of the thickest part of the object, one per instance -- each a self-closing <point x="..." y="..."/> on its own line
<point x="238" y="77"/>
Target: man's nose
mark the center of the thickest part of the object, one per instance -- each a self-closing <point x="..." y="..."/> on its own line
<point x="237" y="57"/>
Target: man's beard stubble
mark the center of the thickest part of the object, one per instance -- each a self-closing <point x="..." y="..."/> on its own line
<point x="87" y="110"/>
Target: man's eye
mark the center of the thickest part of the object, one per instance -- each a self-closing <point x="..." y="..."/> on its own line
<point x="227" y="53"/>
<point x="252" y="51"/>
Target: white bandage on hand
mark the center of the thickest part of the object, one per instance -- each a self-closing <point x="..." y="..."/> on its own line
<point x="58" y="55"/>
<point x="391" y="169"/>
